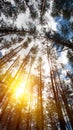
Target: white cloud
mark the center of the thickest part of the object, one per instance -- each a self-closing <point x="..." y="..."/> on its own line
<point x="63" y="58"/>
<point x="11" y="1"/>
<point x="23" y="19"/>
<point x="6" y="20"/>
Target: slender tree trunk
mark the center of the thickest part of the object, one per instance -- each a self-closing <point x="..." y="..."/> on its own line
<point x="8" y="58"/>
<point x="59" y="111"/>
<point x="28" y="126"/>
<point x="55" y="92"/>
<point x="65" y="102"/>
<point x="10" y="53"/>
<point x="40" y="116"/>
<point x="70" y="76"/>
<point x="43" y="2"/>
<point x="20" y="70"/>
<point x="6" y="73"/>
<point x="8" y="94"/>
<point x="41" y="99"/>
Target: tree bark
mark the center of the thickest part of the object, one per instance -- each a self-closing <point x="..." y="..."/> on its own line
<point x="60" y="41"/>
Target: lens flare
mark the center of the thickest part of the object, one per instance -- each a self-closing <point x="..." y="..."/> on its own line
<point x="20" y="90"/>
<point x="23" y="93"/>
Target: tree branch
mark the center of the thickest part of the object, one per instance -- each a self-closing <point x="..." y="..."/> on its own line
<point x="60" y="41"/>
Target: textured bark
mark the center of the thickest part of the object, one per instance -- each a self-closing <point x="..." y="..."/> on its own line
<point x="59" y="111"/>
<point x="6" y="73"/>
<point x="60" y="41"/>
<point x="65" y="103"/>
<point x="39" y="113"/>
<point x="41" y="98"/>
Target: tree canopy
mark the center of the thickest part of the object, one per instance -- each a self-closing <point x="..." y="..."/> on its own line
<point x="36" y="65"/>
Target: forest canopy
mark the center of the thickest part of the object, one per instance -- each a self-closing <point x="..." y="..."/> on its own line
<point x="36" y="64"/>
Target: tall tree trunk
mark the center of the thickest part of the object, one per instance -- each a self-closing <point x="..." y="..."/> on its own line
<point x="59" y="110"/>
<point x="43" y="2"/>
<point x="8" y="58"/>
<point x="65" y="101"/>
<point x="41" y="98"/>
<point x="8" y="94"/>
<point x="70" y="76"/>
<point x="55" y="92"/>
<point x="40" y="116"/>
<point x="6" y="73"/>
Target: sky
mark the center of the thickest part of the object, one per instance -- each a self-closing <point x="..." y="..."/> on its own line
<point x="12" y="1"/>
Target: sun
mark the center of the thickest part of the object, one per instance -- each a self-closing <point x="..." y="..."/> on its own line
<point x="20" y="90"/>
<point x="23" y="93"/>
